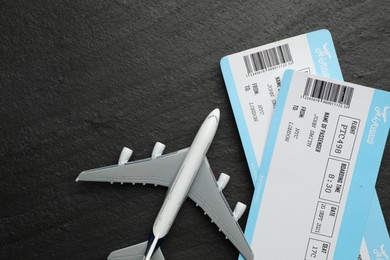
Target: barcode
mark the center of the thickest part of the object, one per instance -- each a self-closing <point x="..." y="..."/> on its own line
<point x="328" y="91"/>
<point x="268" y="58"/>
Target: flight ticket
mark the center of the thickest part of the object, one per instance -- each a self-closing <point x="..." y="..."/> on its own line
<point x="253" y="80"/>
<point x="320" y="166"/>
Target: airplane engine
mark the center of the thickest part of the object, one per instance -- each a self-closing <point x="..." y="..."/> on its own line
<point x="158" y="149"/>
<point x="223" y="181"/>
<point x="239" y="210"/>
<point x="125" y="155"/>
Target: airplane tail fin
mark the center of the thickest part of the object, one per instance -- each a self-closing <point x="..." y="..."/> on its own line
<point x="135" y="252"/>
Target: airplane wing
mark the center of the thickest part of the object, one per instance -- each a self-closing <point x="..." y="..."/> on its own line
<point x="205" y="193"/>
<point x="158" y="171"/>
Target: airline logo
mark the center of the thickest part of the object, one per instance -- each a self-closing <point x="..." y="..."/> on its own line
<point x="323" y="56"/>
<point x="380" y="116"/>
<point x="380" y="253"/>
<point x="324" y="52"/>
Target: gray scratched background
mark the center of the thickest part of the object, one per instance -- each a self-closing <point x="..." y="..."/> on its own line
<point x="81" y="79"/>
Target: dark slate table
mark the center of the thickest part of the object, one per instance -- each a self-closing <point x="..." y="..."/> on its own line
<point x="81" y="79"/>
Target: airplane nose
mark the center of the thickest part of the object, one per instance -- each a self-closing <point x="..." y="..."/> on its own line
<point x="216" y="113"/>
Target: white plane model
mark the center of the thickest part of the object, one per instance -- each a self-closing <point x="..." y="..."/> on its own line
<point x="186" y="173"/>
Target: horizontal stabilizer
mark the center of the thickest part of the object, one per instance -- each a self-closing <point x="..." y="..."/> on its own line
<point x="135" y="252"/>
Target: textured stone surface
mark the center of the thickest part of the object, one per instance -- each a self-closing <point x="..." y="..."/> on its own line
<point x="80" y="79"/>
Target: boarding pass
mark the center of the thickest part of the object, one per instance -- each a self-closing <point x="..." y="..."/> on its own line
<point x="319" y="169"/>
<point x="253" y="79"/>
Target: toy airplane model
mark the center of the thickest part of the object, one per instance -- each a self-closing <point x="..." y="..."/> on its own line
<point x="186" y="173"/>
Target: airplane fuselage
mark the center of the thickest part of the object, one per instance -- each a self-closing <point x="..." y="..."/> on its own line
<point x="181" y="185"/>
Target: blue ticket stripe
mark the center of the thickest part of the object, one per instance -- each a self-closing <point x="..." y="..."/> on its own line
<point x="364" y="178"/>
<point x="240" y="119"/>
<point x="324" y="54"/>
